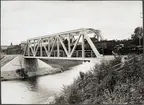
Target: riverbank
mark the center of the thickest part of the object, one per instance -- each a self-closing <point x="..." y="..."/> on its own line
<point x="107" y="85"/>
<point x="14" y="69"/>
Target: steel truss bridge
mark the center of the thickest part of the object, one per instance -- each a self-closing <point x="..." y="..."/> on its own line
<point x="75" y="44"/>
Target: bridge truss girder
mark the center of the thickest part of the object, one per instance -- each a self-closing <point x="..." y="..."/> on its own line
<point x="47" y="43"/>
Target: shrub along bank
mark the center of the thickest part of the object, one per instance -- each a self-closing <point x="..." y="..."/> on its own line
<point x="106" y="85"/>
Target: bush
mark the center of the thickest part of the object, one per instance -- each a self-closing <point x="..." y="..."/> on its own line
<point x="106" y="86"/>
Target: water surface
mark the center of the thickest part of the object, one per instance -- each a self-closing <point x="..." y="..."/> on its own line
<point x="39" y="90"/>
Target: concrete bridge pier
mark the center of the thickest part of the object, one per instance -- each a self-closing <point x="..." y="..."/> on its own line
<point x="35" y="66"/>
<point x="31" y="64"/>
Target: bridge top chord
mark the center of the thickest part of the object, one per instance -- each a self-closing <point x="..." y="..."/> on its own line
<point x="67" y="32"/>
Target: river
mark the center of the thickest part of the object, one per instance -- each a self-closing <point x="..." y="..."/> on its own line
<point x="39" y="90"/>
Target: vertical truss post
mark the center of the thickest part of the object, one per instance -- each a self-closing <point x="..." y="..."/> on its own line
<point x="83" y="45"/>
<point x="58" y="48"/>
<point x="67" y="54"/>
<point x="76" y="53"/>
<point x="41" y="48"/>
<point x="53" y="53"/>
<point x="69" y="48"/>
<point x="28" y="48"/>
<point x="25" y="49"/>
<point x="91" y="54"/>
<point x="98" y="37"/>
<point x="63" y="53"/>
<point x="34" y="44"/>
<point x="48" y="46"/>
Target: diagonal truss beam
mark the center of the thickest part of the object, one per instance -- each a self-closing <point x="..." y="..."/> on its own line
<point x="92" y="46"/>
<point x="58" y="53"/>
<point x="32" y="50"/>
<point x="52" y="48"/>
<point x="75" y="45"/>
<point x="63" y="46"/>
<point x="37" y="46"/>
<point x="47" y="52"/>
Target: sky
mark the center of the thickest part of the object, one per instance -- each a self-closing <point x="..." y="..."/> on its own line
<point x="21" y="20"/>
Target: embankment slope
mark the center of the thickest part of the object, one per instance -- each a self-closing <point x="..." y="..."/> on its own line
<point x="9" y="70"/>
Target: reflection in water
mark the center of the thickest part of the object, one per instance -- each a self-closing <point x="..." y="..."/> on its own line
<point x="32" y="83"/>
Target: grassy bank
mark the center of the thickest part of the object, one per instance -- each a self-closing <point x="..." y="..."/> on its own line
<point x="107" y="85"/>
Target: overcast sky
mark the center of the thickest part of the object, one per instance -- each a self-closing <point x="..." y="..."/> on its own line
<point x="21" y="20"/>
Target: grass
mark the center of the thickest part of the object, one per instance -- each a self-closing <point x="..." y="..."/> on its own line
<point x="105" y="85"/>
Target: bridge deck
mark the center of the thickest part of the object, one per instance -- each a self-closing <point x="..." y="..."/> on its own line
<point x="66" y="58"/>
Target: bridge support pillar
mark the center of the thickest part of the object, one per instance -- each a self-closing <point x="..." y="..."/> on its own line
<point x="30" y="64"/>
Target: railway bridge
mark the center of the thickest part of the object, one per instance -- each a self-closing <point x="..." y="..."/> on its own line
<point x="71" y="45"/>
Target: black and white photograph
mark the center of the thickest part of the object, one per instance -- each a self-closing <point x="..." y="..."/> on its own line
<point x="72" y="52"/>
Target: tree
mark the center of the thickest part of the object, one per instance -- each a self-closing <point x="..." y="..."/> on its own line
<point x="11" y="44"/>
<point x="137" y="36"/>
<point x="138" y="31"/>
